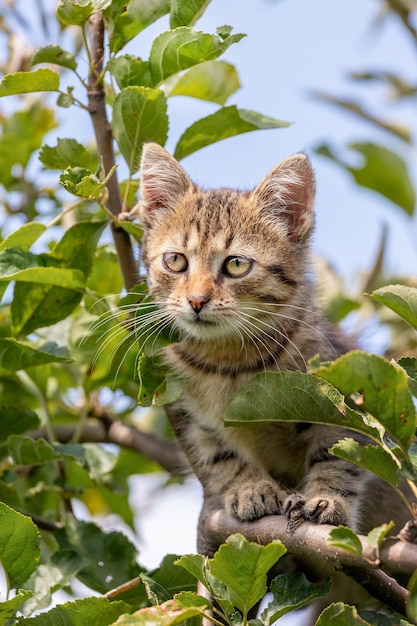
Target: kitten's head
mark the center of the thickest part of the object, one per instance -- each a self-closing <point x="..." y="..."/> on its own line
<point x="221" y="260"/>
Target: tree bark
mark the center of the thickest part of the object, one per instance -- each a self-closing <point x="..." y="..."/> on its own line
<point x="104" y="139"/>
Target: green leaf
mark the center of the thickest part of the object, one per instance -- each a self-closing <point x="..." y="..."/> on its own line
<point x="190" y="598"/>
<point x="293" y="397"/>
<point x="9" y="607"/>
<point x="65" y="100"/>
<point x="98" y="462"/>
<point x="379" y="619"/>
<point x="67" y="278"/>
<point x="409" y="363"/>
<point x="340" y="614"/>
<point x="383" y="171"/>
<point x="179" y="49"/>
<point x="372" y="458"/>
<point x="339" y="307"/>
<point x="186" y="13"/>
<point x="344" y="537"/>
<point x="24" y="237"/>
<point x="56" y="573"/>
<point x="81" y="182"/>
<point x="19" y="545"/>
<point x="129" y="71"/>
<point x="172" y="577"/>
<point x="196" y="564"/>
<point x="401" y="299"/>
<point x="133" y="229"/>
<point x="42" y="303"/>
<point x="56" y="55"/>
<point x="54" y="292"/>
<point x="170" y="613"/>
<point x="67" y="153"/>
<point x="84" y="612"/>
<point x="42" y="79"/>
<point x="156" y="593"/>
<point x="157" y="384"/>
<point x="290" y="592"/>
<point x="383" y="388"/>
<point x="399" y="130"/>
<point x="77" y="247"/>
<point x="15" y="355"/>
<point x="21" y="266"/>
<point x="77" y="13"/>
<point x="376" y="536"/>
<point x="21" y="134"/>
<point x="399" y="87"/>
<point x="16" y="420"/>
<point x="411" y="606"/>
<point x="146" y="13"/>
<point x="139" y="115"/>
<point x="243" y="566"/>
<point x="124" y="23"/>
<point x="226" y="122"/>
<point x="109" y="558"/>
<point x="214" y="81"/>
<point x="26" y="452"/>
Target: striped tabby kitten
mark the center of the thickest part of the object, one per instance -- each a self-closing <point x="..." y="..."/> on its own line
<point x="230" y="271"/>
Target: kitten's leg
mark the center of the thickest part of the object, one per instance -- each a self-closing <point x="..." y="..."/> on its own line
<point x="247" y="492"/>
<point x="331" y="494"/>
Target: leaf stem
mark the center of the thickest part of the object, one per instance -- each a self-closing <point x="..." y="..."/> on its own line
<point x="68" y="209"/>
<point x="34" y="389"/>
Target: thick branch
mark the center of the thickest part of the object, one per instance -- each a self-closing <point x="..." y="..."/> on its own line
<point x="167" y="454"/>
<point x="381" y="586"/>
<point x="308" y="540"/>
<point x="104" y="139"/>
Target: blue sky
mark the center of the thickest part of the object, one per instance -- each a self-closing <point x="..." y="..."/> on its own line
<point x="292" y="48"/>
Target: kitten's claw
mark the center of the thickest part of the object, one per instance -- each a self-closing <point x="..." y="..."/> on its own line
<point x="319" y="510"/>
<point x="325" y="510"/>
<point x="251" y="501"/>
<point x="293" y="505"/>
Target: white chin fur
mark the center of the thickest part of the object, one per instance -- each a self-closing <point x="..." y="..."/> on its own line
<point x="203" y="329"/>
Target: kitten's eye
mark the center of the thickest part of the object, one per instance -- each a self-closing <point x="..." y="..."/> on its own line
<point x="175" y="262"/>
<point x="237" y="266"/>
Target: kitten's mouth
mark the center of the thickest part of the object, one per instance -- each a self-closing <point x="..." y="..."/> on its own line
<point x="203" y="322"/>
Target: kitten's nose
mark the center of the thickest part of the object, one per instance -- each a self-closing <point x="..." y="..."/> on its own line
<point x="198" y="301"/>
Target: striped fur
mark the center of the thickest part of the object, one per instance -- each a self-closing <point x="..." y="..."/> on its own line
<point x="235" y="326"/>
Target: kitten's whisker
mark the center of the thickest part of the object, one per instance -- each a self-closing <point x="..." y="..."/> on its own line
<point x="274" y="339"/>
<point x="295" y="319"/>
<point x="256" y="339"/>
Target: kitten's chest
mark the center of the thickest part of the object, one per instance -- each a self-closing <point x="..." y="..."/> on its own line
<point x="207" y="396"/>
<point x="273" y="446"/>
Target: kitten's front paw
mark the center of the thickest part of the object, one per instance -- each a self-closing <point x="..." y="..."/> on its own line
<point x="319" y="510"/>
<point x="252" y="500"/>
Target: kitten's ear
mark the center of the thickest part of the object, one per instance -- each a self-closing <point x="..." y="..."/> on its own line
<point x="287" y="194"/>
<point x="163" y="181"/>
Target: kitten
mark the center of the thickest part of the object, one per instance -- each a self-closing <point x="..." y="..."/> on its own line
<point x="230" y="271"/>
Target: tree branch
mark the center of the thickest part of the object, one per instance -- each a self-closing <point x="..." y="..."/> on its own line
<point x="104" y="139"/>
<point x="307" y="540"/>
